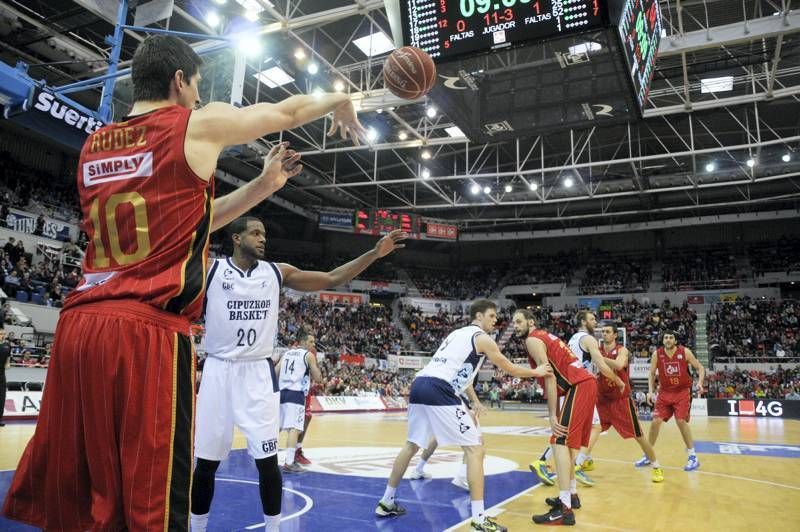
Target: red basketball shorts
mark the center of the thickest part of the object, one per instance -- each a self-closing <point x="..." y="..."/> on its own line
<point x="309" y="398"/>
<point x="576" y="414"/>
<point x="620" y="413"/>
<point x="677" y="403"/>
<point x="113" y="444"/>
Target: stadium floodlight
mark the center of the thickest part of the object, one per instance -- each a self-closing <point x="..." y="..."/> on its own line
<point x="533" y="186"/>
<point x="313" y="68"/>
<point x="338" y="85"/>
<point x="487" y="189"/>
<point x="475" y="189"/>
<point x="751" y="162"/>
<point x="402" y="135"/>
<point x="786" y="157"/>
<point x="426" y="154"/>
<point x="249" y="44"/>
<point x="372" y="134"/>
<point x="568" y="182"/>
<point x="430" y="112"/>
<point x="299" y="54"/>
<point x="710" y="167"/>
<point x="426" y="174"/>
<point x="508" y="188"/>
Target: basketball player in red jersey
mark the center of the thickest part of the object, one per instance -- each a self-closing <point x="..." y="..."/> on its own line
<point x="616" y="408"/>
<point x="113" y="445"/>
<point x="572" y="426"/>
<point x="672" y="362"/>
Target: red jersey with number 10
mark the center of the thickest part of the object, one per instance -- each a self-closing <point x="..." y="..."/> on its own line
<point x="673" y="372"/>
<point x="605" y="386"/>
<point x="567" y="369"/>
<point x="147" y="215"/>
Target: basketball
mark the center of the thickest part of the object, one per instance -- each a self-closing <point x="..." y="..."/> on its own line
<point x="409" y="73"/>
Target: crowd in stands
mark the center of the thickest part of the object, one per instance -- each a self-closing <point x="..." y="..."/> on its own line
<point x="345" y="379"/>
<point x="698" y="269"/>
<point x="754" y="330"/>
<point x="542" y="270"/>
<point x="609" y="274"/>
<point x="46" y="282"/>
<point x="780" y="256"/>
<point x="470" y="282"/>
<point x="35" y="192"/>
<point x="742" y="384"/>
<point x="363" y="329"/>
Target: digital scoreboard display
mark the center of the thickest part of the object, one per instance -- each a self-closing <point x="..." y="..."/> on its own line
<point x="640" y="32"/>
<point x="449" y="28"/>
<point x="381" y="222"/>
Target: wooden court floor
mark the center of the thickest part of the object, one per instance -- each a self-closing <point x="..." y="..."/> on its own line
<point x="730" y="492"/>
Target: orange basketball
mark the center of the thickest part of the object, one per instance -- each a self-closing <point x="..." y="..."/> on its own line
<point x="409" y="73"/>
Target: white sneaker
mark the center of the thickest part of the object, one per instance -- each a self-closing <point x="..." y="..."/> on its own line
<point x="461" y="482"/>
<point x="416" y="475"/>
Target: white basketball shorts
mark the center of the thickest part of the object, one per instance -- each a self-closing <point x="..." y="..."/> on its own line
<point x="241" y="393"/>
<point x="436" y="411"/>
<point x="293" y="410"/>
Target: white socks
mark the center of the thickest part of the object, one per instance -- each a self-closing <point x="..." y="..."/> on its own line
<point x="566" y="498"/>
<point x="388" y="495"/>
<point x="573" y="486"/>
<point x="655" y="464"/>
<point x="477" y="511"/>
<point x="462" y="471"/>
<point x="272" y="523"/>
<point x="199" y="522"/>
<point x="421" y="466"/>
<point x="581" y="459"/>
<point x="690" y="452"/>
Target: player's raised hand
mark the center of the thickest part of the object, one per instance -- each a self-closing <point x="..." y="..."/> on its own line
<point x="390" y="242"/>
<point x="280" y="164"/>
<point x="346" y="122"/>
<point x="650" y="398"/>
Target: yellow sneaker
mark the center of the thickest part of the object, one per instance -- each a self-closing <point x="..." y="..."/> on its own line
<point x="588" y="465"/>
<point x="658" y="474"/>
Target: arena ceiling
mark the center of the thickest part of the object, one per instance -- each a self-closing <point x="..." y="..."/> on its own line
<point x="688" y="156"/>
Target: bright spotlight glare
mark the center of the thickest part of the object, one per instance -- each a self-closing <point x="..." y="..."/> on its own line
<point x="534" y="187"/>
<point x="402" y="135"/>
<point x="475" y="189"/>
<point x="568" y="182"/>
<point x="372" y="134"/>
<point x="786" y="158"/>
<point x="338" y="85"/>
<point x="212" y="19"/>
<point x="426" y="174"/>
<point x="313" y="68"/>
<point x="249" y="45"/>
<point x="426" y="154"/>
<point x="487" y="189"/>
<point x="751" y="162"/>
<point x="430" y="112"/>
<point x="508" y="188"/>
<point x="710" y="167"/>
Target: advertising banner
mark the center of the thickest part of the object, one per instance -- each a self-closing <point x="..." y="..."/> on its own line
<point x="350" y="403"/>
<point x="411" y="362"/>
<point x="640" y="367"/>
<point x="346" y="298"/>
<point x="22" y="404"/>
<point x="770" y="408"/>
<point x="25" y="222"/>
<point x="336" y="219"/>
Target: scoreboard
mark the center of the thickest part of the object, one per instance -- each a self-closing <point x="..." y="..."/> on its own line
<point x="640" y="32"/>
<point x="381" y="222"/>
<point x="448" y="28"/>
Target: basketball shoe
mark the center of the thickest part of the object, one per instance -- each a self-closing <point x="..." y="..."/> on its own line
<point x="658" y="474"/>
<point x="540" y="469"/>
<point x="555" y="502"/>
<point x="641" y="462"/>
<point x="487" y="525"/>
<point x="300" y="458"/>
<point x="385" y="510"/>
<point x="556" y="516"/>
<point x="582" y="477"/>
<point x="692" y="464"/>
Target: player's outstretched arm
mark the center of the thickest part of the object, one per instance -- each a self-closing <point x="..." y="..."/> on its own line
<point x="485" y="344"/>
<point x="589" y="343"/>
<point x="280" y="164"/>
<point x="651" y="377"/>
<point x="221" y="124"/>
<point x="701" y="371"/>
<point x="310" y="281"/>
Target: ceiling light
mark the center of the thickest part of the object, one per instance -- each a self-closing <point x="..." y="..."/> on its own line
<point x="273" y="77"/>
<point x="251" y="15"/>
<point x="313" y="68"/>
<point x="249" y="45"/>
<point x="721" y="84"/>
<point x="584" y="48"/>
<point x="426" y="174"/>
<point x="568" y="182"/>
<point x="454" y="131"/>
<point x="487" y="189"/>
<point x="372" y="134"/>
<point x="426" y="154"/>
<point x="375" y="44"/>
<point x="402" y="135"/>
<point x="533" y="186"/>
<point x="475" y="189"/>
<point x="508" y="189"/>
<point x="299" y="54"/>
<point x="338" y="85"/>
<point x="379" y="110"/>
<point x="317" y="92"/>
<point x="710" y="167"/>
<point x="212" y="19"/>
<point x="751" y="162"/>
<point x="786" y="157"/>
<point x="430" y="111"/>
<point x="220" y="2"/>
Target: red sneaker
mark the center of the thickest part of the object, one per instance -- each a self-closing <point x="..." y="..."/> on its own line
<point x="300" y="458"/>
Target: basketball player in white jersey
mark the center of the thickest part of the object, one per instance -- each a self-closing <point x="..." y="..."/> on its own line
<point x="435" y="410"/>
<point x="239" y="385"/>
<point x="297" y="368"/>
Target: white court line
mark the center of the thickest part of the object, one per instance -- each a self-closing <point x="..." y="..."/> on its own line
<point x="491" y="509"/>
<point x="309" y="503"/>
